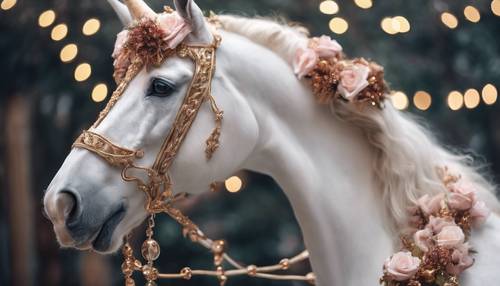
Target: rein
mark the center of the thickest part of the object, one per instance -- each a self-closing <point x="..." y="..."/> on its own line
<point x="158" y="187"/>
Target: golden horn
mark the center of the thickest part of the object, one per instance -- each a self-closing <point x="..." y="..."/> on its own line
<point x="139" y="9"/>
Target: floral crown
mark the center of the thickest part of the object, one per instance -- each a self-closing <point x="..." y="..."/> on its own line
<point x="334" y="76"/>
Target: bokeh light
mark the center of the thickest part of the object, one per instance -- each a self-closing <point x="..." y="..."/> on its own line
<point x="386" y="25"/>
<point x="449" y="20"/>
<point x="338" y="25"/>
<point x="472" y="14"/>
<point x="422" y="100"/>
<point x="399" y="100"/>
<point x="329" y="7"/>
<point x="83" y="72"/>
<point x="471" y="98"/>
<point x="47" y="18"/>
<point x="8" y="4"/>
<point x="404" y="24"/>
<point x="365" y="4"/>
<point x="91" y="27"/>
<point x="100" y="92"/>
<point x="489" y="94"/>
<point x="455" y="100"/>
<point x="68" y="53"/>
<point x="495" y="7"/>
<point x="59" y="32"/>
<point x="233" y="184"/>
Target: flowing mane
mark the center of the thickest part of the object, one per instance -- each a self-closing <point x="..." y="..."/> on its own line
<point x="407" y="155"/>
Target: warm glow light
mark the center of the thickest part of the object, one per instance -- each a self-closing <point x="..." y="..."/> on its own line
<point x="472" y="14"/>
<point x="489" y="94"/>
<point x="365" y="4"/>
<point x="338" y="25"/>
<point x="455" y="100"/>
<point x="8" y="4"/>
<point x="495" y="7"/>
<point x="422" y="100"/>
<point x="91" y="27"/>
<point x="329" y="7"/>
<point x="449" y="20"/>
<point x="46" y="18"/>
<point x="100" y="92"/>
<point x="83" y="72"/>
<point x="68" y="53"/>
<point x="386" y="25"/>
<point x="399" y="100"/>
<point x="471" y="98"/>
<point x="404" y="25"/>
<point x="395" y="25"/>
<point x="59" y="32"/>
<point x="233" y="184"/>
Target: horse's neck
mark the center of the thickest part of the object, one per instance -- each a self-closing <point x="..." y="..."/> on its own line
<point x="323" y="165"/>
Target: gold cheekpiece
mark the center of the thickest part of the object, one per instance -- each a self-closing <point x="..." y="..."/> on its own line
<point x="158" y="189"/>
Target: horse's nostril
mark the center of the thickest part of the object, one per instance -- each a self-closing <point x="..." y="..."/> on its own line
<point x="67" y="204"/>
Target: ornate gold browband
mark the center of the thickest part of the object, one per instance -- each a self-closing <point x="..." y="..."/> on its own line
<point x="157" y="188"/>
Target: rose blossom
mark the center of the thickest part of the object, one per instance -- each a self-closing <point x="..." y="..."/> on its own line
<point x="401" y="266"/>
<point x="430" y="205"/>
<point x="305" y="60"/>
<point x="325" y="47"/>
<point x="175" y="27"/>
<point x="423" y="239"/>
<point x="462" y="196"/>
<point x="450" y="236"/>
<point x="436" y="224"/>
<point x="353" y="79"/>
<point x="479" y="213"/>
<point x="460" y="260"/>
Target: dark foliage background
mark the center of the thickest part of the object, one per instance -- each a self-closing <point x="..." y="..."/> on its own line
<point x="258" y="221"/>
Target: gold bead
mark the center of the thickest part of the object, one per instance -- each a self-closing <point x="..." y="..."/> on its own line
<point x="127" y="250"/>
<point x="151" y="283"/>
<point x="428" y="275"/>
<point x="285" y="263"/>
<point x="311" y="278"/>
<point x="127" y="270"/>
<point x="218" y="246"/>
<point x="149" y="272"/>
<point x="129" y="282"/>
<point x="252" y="270"/>
<point x="186" y="273"/>
<point x="150" y="249"/>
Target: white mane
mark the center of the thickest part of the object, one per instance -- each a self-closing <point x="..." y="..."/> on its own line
<point x="406" y="154"/>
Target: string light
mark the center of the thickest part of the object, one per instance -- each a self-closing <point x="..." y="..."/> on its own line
<point x="449" y="20"/>
<point x="83" y="72"/>
<point x="233" y="184"/>
<point x="422" y="100"/>
<point x="68" y="53"/>
<point x="338" y="25"/>
<point x="91" y="27"/>
<point x="399" y="100"/>
<point x="329" y="7"/>
<point x="364" y="4"/>
<point x="489" y="94"/>
<point x="471" y="98"/>
<point x="8" y="4"/>
<point x="47" y="18"/>
<point x="455" y="100"/>
<point x="495" y="7"/>
<point x="99" y="92"/>
<point x="472" y="14"/>
<point x="59" y="32"/>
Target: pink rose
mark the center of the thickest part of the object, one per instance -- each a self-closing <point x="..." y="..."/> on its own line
<point x="430" y="205"/>
<point x="423" y="239"/>
<point x="450" y="236"/>
<point x="305" y="60"/>
<point x="121" y="39"/>
<point x="401" y="266"/>
<point x="436" y="224"/>
<point x="462" y="196"/>
<point x="175" y="27"/>
<point x="353" y="79"/>
<point x="479" y="213"/>
<point x="325" y="47"/>
<point x="460" y="260"/>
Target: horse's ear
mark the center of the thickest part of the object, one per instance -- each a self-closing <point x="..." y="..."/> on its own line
<point x="188" y="10"/>
<point x="122" y="11"/>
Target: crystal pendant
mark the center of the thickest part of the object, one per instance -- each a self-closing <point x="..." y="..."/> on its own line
<point x="150" y="249"/>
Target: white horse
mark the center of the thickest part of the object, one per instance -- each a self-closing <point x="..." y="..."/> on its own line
<point x="349" y="175"/>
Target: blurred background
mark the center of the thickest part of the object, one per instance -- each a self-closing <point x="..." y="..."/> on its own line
<point x="441" y="56"/>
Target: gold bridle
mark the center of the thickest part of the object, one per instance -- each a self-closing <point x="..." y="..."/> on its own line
<point x="158" y="188"/>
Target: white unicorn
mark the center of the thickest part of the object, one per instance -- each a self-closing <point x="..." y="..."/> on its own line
<point x="349" y="175"/>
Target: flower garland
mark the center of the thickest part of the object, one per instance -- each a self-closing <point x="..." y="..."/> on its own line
<point x="333" y="76"/>
<point x="438" y="251"/>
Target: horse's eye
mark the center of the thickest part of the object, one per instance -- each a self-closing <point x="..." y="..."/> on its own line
<point x="161" y="87"/>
